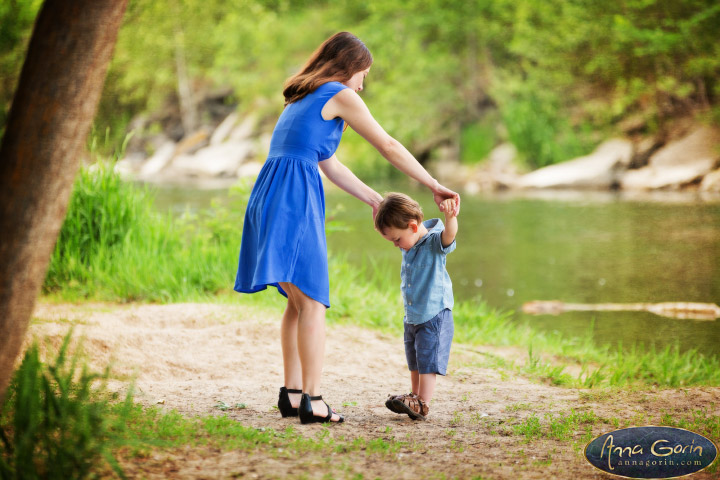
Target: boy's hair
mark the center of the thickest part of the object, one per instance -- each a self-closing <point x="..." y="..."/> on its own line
<point x="397" y="210"/>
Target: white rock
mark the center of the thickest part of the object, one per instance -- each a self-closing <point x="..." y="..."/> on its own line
<point x="157" y="162"/>
<point x="224" y="129"/>
<point x="502" y="157"/>
<point x="679" y="163"/>
<point x="711" y="182"/>
<point x="212" y="161"/>
<point x="245" y="129"/>
<point x="597" y="170"/>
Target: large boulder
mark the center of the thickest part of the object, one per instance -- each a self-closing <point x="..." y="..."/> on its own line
<point x="599" y="170"/>
<point x="496" y="173"/>
<point x="679" y="163"/>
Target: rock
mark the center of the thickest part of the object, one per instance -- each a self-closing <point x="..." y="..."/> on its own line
<point x="212" y="161"/>
<point x="497" y="172"/>
<point x="157" y="162"/>
<point x="598" y="170"/>
<point x="224" y="129"/>
<point x="245" y="129"/>
<point x="193" y="143"/>
<point x="502" y="157"/>
<point x="679" y="163"/>
<point x="711" y="182"/>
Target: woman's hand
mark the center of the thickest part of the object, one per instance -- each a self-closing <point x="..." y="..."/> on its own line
<point x="441" y="193"/>
<point x="375" y="207"/>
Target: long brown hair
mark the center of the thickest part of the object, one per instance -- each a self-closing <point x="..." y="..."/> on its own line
<point x="336" y="60"/>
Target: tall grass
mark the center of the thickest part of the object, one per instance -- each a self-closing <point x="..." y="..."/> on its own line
<point x="57" y="420"/>
<point x="114" y="246"/>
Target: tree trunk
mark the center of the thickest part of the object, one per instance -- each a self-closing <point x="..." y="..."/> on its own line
<point x="188" y="109"/>
<point x="52" y="110"/>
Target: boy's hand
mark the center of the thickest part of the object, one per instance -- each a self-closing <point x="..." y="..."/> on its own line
<point x="448" y="207"/>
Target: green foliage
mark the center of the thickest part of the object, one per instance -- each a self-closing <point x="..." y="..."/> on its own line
<point x="16" y="20"/>
<point x="548" y="71"/>
<point x="477" y="140"/>
<point x="57" y="420"/>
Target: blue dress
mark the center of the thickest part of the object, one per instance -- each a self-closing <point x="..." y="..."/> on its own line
<point x="283" y="238"/>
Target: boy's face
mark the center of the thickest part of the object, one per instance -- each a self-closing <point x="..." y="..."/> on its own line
<point x="404" y="238"/>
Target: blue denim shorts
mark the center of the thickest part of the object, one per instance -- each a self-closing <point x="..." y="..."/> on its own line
<point x="427" y="345"/>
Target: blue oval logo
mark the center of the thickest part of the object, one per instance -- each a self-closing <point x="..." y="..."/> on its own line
<point x="651" y="452"/>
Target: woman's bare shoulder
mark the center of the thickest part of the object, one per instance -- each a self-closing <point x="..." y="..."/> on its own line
<point x="346" y="100"/>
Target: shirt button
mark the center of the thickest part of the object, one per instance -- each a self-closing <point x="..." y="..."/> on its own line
<point x="409" y="303"/>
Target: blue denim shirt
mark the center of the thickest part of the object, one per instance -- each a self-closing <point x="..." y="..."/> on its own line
<point x="425" y="283"/>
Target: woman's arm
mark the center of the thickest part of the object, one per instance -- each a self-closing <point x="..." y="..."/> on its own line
<point x="341" y="176"/>
<point x="348" y="105"/>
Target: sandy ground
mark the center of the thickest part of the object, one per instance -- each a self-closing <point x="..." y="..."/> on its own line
<point x="189" y="357"/>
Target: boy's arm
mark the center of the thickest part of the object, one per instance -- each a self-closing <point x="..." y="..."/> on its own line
<point x="451" y="225"/>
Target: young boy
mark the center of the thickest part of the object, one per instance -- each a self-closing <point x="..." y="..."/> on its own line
<point x="426" y="291"/>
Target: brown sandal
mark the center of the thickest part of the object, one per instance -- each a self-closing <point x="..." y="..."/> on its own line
<point x="391" y="398"/>
<point x="413" y="406"/>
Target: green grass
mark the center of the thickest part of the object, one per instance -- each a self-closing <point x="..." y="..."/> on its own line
<point x="58" y="421"/>
<point x="114" y="246"/>
<point x="602" y="366"/>
<point x="565" y="426"/>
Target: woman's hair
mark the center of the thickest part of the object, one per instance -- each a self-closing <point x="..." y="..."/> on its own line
<point x="397" y="210"/>
<point x="336" y="60"/>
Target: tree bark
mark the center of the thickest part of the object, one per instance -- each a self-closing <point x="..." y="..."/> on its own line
<point x="49" y="121"/>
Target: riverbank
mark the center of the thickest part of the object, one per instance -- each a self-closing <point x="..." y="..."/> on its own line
<point x="682" y="156"/>
<point x="487" y="421"/>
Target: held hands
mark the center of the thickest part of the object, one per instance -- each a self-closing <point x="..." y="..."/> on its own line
<point x="448" y="206"/>
<point x="441" y="194"/>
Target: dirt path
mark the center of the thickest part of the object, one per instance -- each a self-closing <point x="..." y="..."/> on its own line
<point x="189" y="357"/>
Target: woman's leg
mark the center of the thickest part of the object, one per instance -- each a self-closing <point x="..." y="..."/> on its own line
<point x="310" y="343"/>
<point x="291" y="358"/>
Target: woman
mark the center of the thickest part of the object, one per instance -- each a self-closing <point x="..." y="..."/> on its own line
<point x="283" y="240"/>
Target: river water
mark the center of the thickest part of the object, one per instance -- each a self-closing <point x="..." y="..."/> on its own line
<point x="573" y="247"/>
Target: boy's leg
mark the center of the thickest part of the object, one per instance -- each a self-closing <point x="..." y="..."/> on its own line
<point x="426" y="387"/>
<point x="415" y="381"/>
<point x="411" y="356"/>
<point x="433" y="343"/>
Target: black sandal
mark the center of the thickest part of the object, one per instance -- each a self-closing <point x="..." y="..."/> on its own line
<point x="306" y="412"/>
<point x="284" y="405"/>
